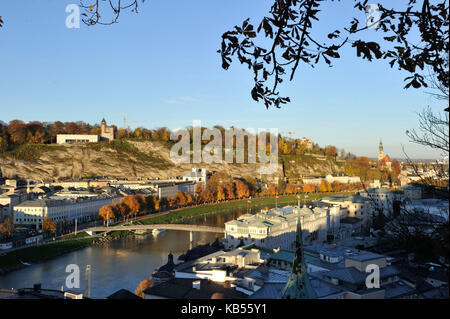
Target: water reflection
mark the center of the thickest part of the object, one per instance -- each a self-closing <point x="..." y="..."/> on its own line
<point x="120" y="264"/>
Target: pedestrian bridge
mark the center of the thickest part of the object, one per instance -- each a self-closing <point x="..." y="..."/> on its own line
<point x="190" y="228"/>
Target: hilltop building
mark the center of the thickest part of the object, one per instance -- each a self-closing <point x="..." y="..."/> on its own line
<point x="380" y="152"/>
<point x="106" y="134"/>
<point x="307" y="142"/>
<point x="383" y="160"/>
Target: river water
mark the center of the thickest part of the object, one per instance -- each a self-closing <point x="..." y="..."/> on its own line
<point x="121" y="263"/>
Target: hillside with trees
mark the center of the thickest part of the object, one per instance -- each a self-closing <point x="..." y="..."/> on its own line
<point x="28" y="150"/>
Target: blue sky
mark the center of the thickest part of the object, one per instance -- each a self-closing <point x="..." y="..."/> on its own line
<point x="160" y="67"/>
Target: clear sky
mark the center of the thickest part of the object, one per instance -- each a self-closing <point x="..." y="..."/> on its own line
<point x="160" y="67"/>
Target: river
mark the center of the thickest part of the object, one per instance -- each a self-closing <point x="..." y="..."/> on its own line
<point x="121" y="263"/>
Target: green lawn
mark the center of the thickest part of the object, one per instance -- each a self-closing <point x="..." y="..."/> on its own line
<point x="178" y="216"/>
<point x="47" y="251"/>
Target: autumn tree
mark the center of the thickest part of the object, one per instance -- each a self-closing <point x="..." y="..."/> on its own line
<point x="121" y="210"/>
<point x="252" y="184"/>
<point x="272" y="190"/>
<point x="163" y="202"/>
<point x="106" y="212"/>
<point x="7" y="227"/>
<point x="199" y="189"/>
<point x="17" y="131"/>
<point x="181" y="198"/>
<point x="48" y="225"/>
<point x="291" y="189"/>
<point x="221" y="193"/>
<point x="396" y="167"/>
<point x="358" y="166"/>
<point x="132" y="203"/>
<point x="156" y="203"/>
<point x="242" y="190"/>
<point x="414" y="37"/>
<point x="230" y="191"/>
<point x="146" y="283"/>
<point x="308" y="188"/>
<point x="291" y="39"/>
<point x="171" y="201"/>
<point x="331" y="151"/>
<point x="142" y="200"/>
<point x="323" y="186"/>
<point x="189" y="198"/>
<point x="3" y="143"/>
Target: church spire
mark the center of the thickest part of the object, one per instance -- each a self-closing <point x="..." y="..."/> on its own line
<point x="380" y="151"/>
<point x="298" y="285"/>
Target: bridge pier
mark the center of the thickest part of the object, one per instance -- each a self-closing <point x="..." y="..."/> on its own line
<point x="191" y="237"/>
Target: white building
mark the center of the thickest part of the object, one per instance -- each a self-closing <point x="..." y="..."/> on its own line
<point x="76" y="139"/>
<point x="187" y="187"/>
<point x="380" y="198"/>
<point x="353" y="206"/>
<point x="330" y="179"/>
<point x="8" y="201"/>
<point x="106" y="134"/>
<point x="196" y="176"/>
<point x="277" y="227"/>
<point x="412" y="192"/>
<point x="166" y="190"/>
<point x="32" y="212"/>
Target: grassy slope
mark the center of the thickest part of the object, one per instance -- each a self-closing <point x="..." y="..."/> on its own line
<point x="179" y="215"/>
<point x="47" y="251"/>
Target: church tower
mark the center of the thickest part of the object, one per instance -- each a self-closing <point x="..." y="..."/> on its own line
<point x="380" y="152"/>
<point x="103" y="126"/>
<point x="298" y="285"/>
<point x="106" y="132"/>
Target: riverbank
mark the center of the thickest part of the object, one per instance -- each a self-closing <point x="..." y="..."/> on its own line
<point x="13" y="260"/>
<point x="182" y="214"/>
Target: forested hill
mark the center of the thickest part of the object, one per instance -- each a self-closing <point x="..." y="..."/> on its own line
<point x="27" y="150"/>
<point x="136" y="158"/>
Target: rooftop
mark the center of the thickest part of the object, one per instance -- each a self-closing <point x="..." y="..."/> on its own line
<point x="182" y="288"/>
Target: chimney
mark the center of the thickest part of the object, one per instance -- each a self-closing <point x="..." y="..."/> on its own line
<point x="196" y="284"/>
<point x="37" y="287"/>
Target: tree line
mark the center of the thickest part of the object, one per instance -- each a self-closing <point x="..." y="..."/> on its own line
<point x="17" y="132"/>
<point x="220" y="187"/>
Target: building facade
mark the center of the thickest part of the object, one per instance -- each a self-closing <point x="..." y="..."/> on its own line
<point x="353" y="206"/>
<point x="107" y="132"/>
<point x="276" y="228"/>
<point x="196" y="176"/>
<point x="76" y="138"/>
<point x="32" y="212"/>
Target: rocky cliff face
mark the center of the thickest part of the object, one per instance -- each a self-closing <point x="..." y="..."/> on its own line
<point x="146" y="159"/>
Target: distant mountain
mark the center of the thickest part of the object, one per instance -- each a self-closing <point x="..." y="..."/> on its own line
<point x="3" y="123"/>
